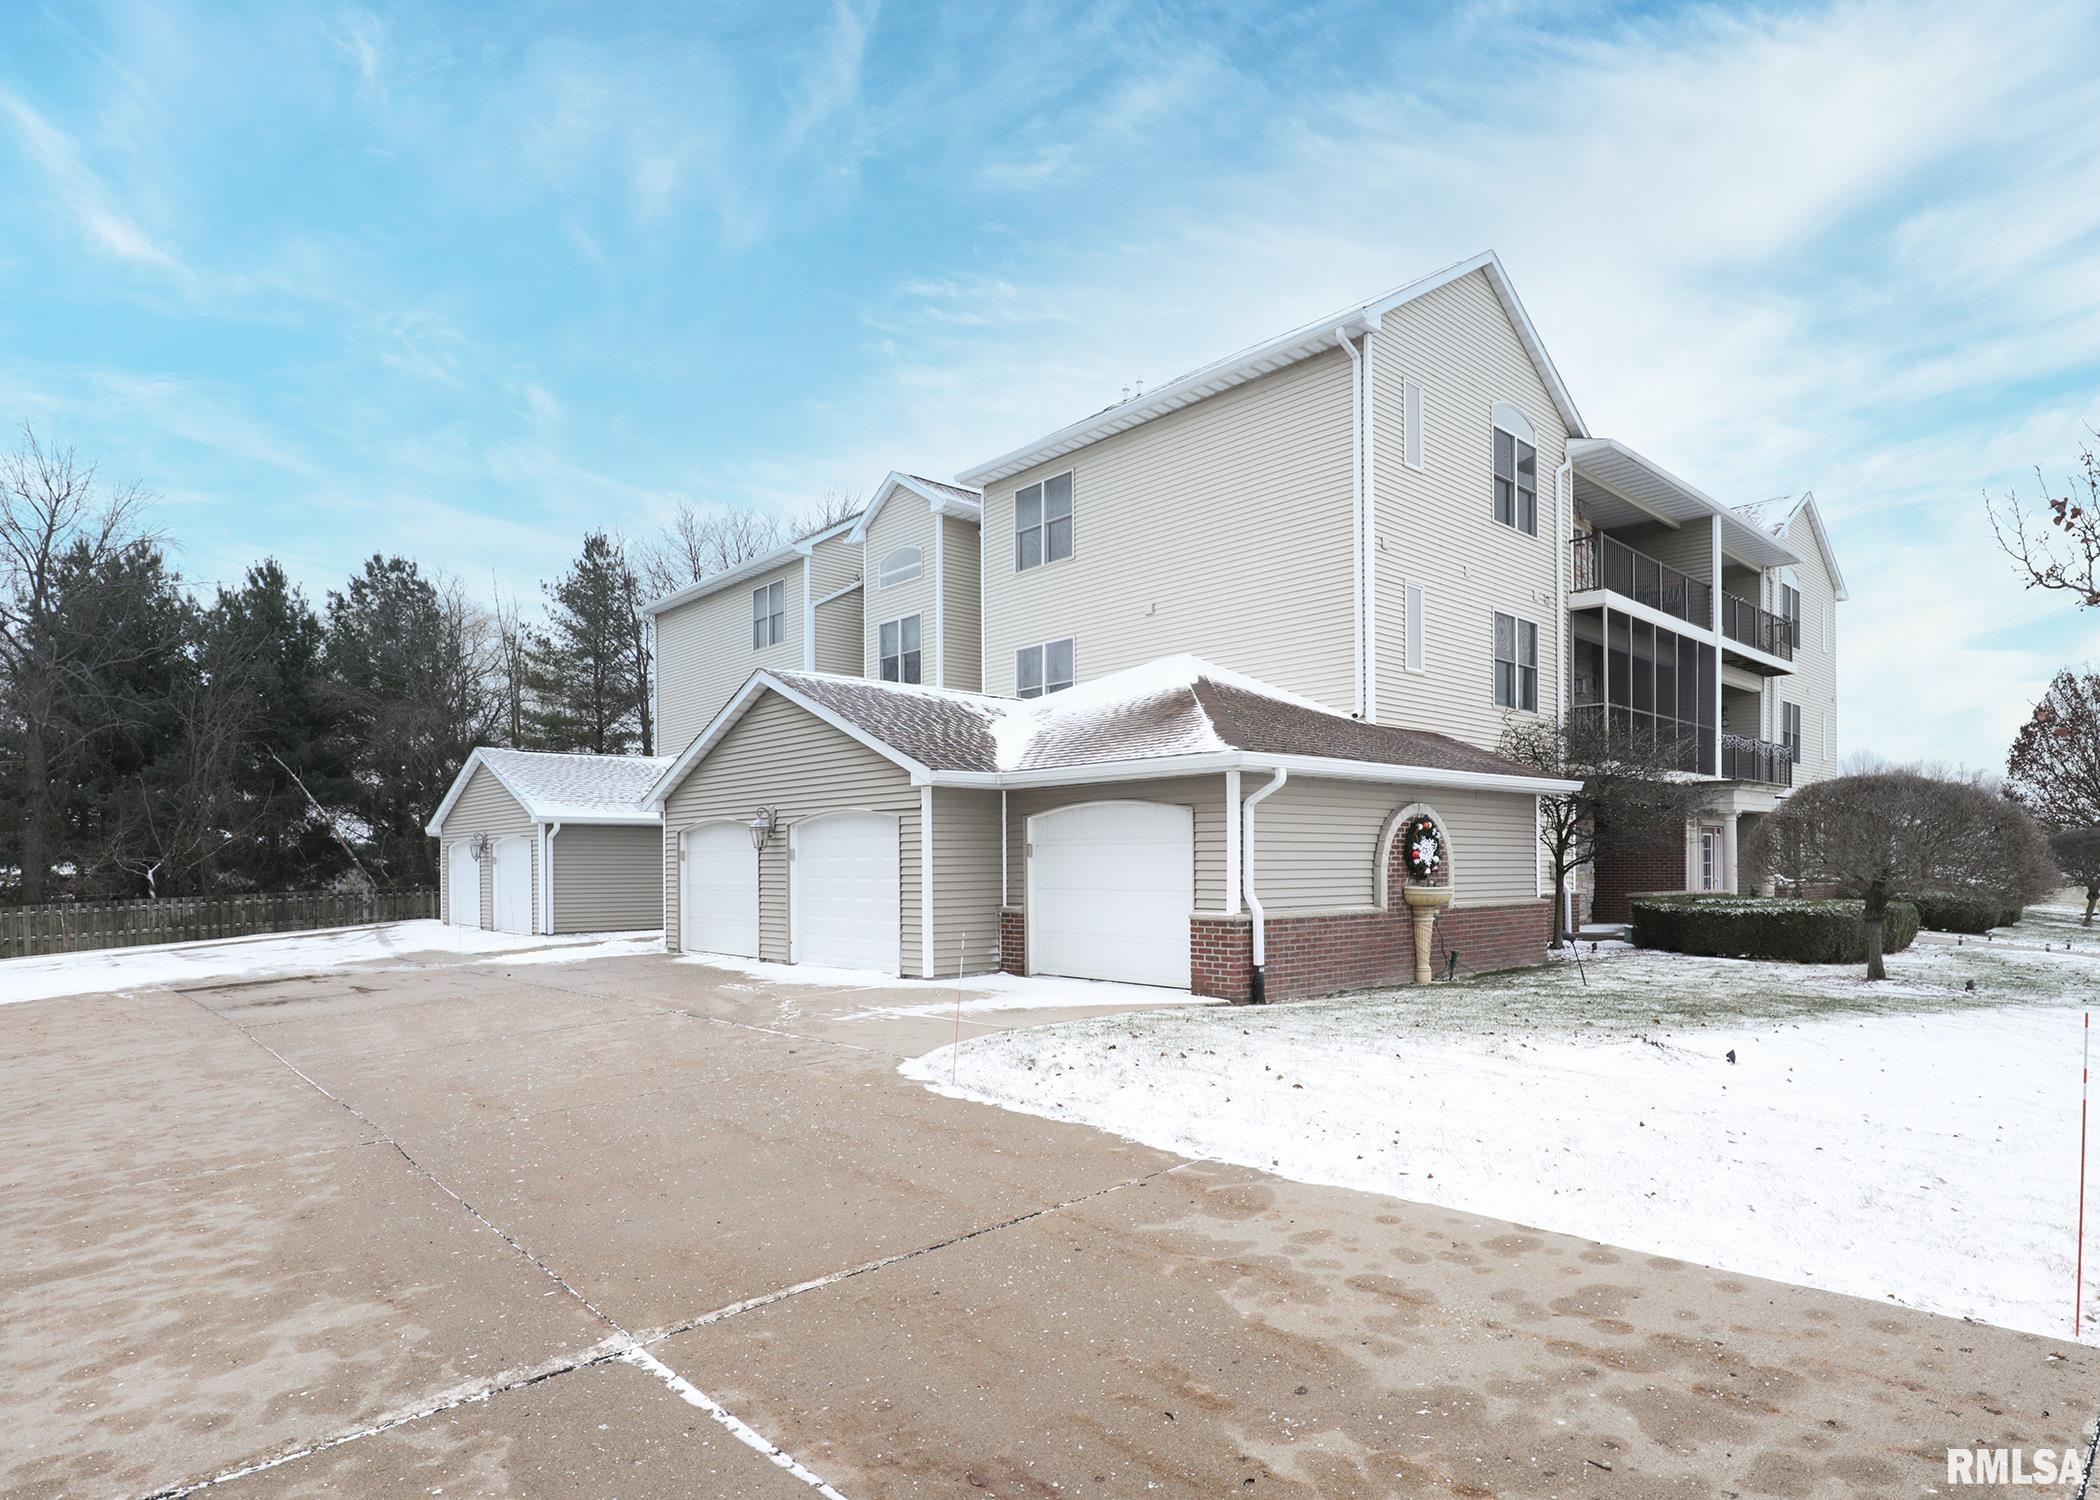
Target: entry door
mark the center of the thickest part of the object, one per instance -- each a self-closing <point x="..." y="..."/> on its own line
<point x="843" y="895"/>
<point x="513" y="885"/>
<point x="462" y="885"/>
<point x="720" y="914"/>
<point x="1110" y="889"/>
<point x="1709" y="859"/>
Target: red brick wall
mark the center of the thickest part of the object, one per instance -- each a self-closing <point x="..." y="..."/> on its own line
<point x="1221" y="957"/>
<point x="1620" y="879"/>
<point x="1013" y="942"/>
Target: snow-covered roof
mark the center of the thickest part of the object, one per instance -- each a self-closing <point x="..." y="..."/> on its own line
<point x="1176" y="711"/>
<point x="1778" y="514"/>
<point x="1273" y="354"/>
<point x="558" y="788"/>
<point x="946" y="499"/>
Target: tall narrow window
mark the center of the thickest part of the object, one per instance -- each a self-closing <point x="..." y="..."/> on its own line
<point x="1417" y="628"/>
<point x="899" y="657"/>
<point x="768" y="614"/>
<point x="1790" y="608"/>
<point x="1791" y="737"/>
<point x="1516" y="470"/>
<point x="1411" y="424"/>
<point x="1517" y="664"/>
<point x="1043" y="669"/>
<point x="1043" y="523"/>
<point x="1828" y="614"/>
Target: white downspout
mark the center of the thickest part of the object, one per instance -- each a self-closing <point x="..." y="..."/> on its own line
<point x="940" y="622"/>
<point x="1369" y="585"/>
<point x="809" y="614"/>
<point x="1261" y="935"/>
<point x="1356" y="519"/>
<point x="1563" y="485"/>
<point x="547" y="833"/>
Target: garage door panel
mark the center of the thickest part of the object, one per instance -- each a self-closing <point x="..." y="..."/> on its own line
<point x="513" y="885"/>
<point x="844" y="905"/>
<point x="720" y="882"/>
<point x="463" y="886"/>
<point x="1110" y="889"/>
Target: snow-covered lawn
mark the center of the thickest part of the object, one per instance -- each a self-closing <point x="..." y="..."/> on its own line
<point x="1914" y="1141"/>
<point x="107" y="969"/>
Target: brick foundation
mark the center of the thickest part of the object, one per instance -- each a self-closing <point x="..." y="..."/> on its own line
<point x="1221" y="957"/>
<point x="1622" y="877"/>
<point x="1013" y="941"/>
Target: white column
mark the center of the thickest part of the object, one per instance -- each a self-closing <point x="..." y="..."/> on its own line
<point x="1231" y="904"/>
<point x="1728" y="853"/>
<point x="1714" y="522"/>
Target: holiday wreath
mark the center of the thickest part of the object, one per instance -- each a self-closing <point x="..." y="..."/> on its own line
<point x="1423" y="842"/>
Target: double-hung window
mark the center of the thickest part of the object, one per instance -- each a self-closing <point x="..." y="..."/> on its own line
<point x="1043" y="669"/>
<point x="1516" y="664"/>
<point x="1043" y="523"/>
<point x="1791" y="715"/>
<point x="1790" y="607"/>
<point x="900" y="660"/>
<point x="1516" y="471"/>
<point x="768" y="614"/>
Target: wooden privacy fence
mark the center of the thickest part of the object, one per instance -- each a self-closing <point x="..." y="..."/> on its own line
<point x="74" y="926"/>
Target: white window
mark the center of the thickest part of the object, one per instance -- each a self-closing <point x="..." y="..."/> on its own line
<point x="901" y="566"/>
<point x="1516" y="664"/>
<point x="899" y="657"/>
<point x="1828" y="612"/>
<point x="1790" y="735"/>
<point x="768" y="614"/>
<point x="1043" y="523"/>
<point x="1709" y="859"/>
<point x="1411" y="409"/>
<point x="1790" y="611"/>
<point x="1417" y="625"/>
<point x="1043" y="669"/>
<point x="1516" y="481"/>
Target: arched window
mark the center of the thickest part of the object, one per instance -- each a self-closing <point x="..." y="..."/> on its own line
<point x="901" y="566"/>
<point x="1516" y="459"/>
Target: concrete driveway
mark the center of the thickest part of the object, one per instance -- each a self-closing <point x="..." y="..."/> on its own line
<point x="620" y="1227"/>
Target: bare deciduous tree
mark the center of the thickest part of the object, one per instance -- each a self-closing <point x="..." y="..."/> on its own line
<point x="2057" y="545"/>
<point x="1631" y="795"/>
<point x="1883" y="835"/>
<point x="2077" y="855"/>
<point x="696" y="544"/>
<point x="57" y="524"/>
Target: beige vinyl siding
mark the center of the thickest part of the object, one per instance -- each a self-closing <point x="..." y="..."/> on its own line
<point x="485" y="807"/>
<point x="778" y="755"/>
<point x="962" y="619"/>
<point x="1317" y="843"/>
<point x="839" y="635"/>
<point x="1436" y="527"/>
<point x="1204" y="795"/>
<point x="1813" y="682"/>
<point x="1225" y="529"/>
<point x="905" y="521"/>
<point x="704" y="653"/>
<point x="965" y="881"/>
<point x="608" y="878"/>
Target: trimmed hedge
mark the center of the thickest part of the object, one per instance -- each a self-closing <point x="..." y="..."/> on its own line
<point x="1975" y="914"/>
<point x="1791" y="931"/>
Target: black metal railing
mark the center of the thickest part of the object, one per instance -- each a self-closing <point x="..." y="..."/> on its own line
<point x="1759" y="629"/>
<point x="1602" y="562"/>
<point x="1674" y="743"/>
<point x="1744" y="759"/>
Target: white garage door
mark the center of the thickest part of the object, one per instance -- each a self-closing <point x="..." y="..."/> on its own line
<point x="512" y="893"/>
<point x="1110" y="889"/>
<point x="843" y="893"/>
<point x="462" y="885"/>
<point x="720" y="914"/>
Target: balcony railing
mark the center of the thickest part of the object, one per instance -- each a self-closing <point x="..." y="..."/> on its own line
<point x="1759" y="629"/>
<point x="1745" y="759"/>
<point x="1601" y="562"/>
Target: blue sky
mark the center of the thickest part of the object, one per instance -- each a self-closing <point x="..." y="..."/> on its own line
<point x="465" y="282"/>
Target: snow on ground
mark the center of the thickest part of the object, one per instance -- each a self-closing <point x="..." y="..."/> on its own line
<point x="105" y="969"/>
<point x="981" y="992"/>
<point x="1911" y="1141"/>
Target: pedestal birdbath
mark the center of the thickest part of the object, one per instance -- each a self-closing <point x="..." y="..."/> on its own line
<point x="1423" y="903"/>
<point x="1423" y="846"/>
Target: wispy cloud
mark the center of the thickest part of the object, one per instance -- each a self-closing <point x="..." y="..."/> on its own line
<point x="96" y="214"/>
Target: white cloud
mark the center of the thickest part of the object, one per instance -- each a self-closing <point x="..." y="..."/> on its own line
<point x="96" y="214"/>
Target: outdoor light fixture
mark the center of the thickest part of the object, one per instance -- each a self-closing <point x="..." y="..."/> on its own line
<point x="763" y="825"/>
<point x="480" y="846"/>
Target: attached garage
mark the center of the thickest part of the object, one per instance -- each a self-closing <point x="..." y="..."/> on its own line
<point x="718" y="911"/>
<point x="541" y="843"/>
<point x="843" y="910"/>
<point x="1111" y="888"/>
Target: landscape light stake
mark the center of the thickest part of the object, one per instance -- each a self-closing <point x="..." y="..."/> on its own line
<point x="2085" y="1077"/>
<point x="962" y="945"/>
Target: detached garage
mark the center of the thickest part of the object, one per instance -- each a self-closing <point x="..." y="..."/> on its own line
<point x="1176" y="825"/>
<point x="531" y="842"/>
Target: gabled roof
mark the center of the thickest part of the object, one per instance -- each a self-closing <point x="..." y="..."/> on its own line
<point x="555" y="788"/>
<point x="1175" y="713"/>
<point x="1273" y="354"/>
<point x="778" y="557"/>
<point x="1778" y="515"/>
<point x="945" y="499"/>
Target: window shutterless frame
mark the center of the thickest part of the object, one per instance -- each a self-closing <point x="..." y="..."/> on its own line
<point x="1043" y="522"/>
<point x="1516" y="482"/>
<point x="1047" y="668"/>
<point x="1516" y="663"/>
<point x="897" y="655"/>
<point x="768" y="615"/>
<point x="902" y="565"/>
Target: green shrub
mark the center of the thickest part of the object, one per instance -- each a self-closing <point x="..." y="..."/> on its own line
<point x="1792" y="931"/>
<point x="1963" y="913"/>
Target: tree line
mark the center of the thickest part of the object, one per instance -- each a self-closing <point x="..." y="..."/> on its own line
<point x="163" y="739"/>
